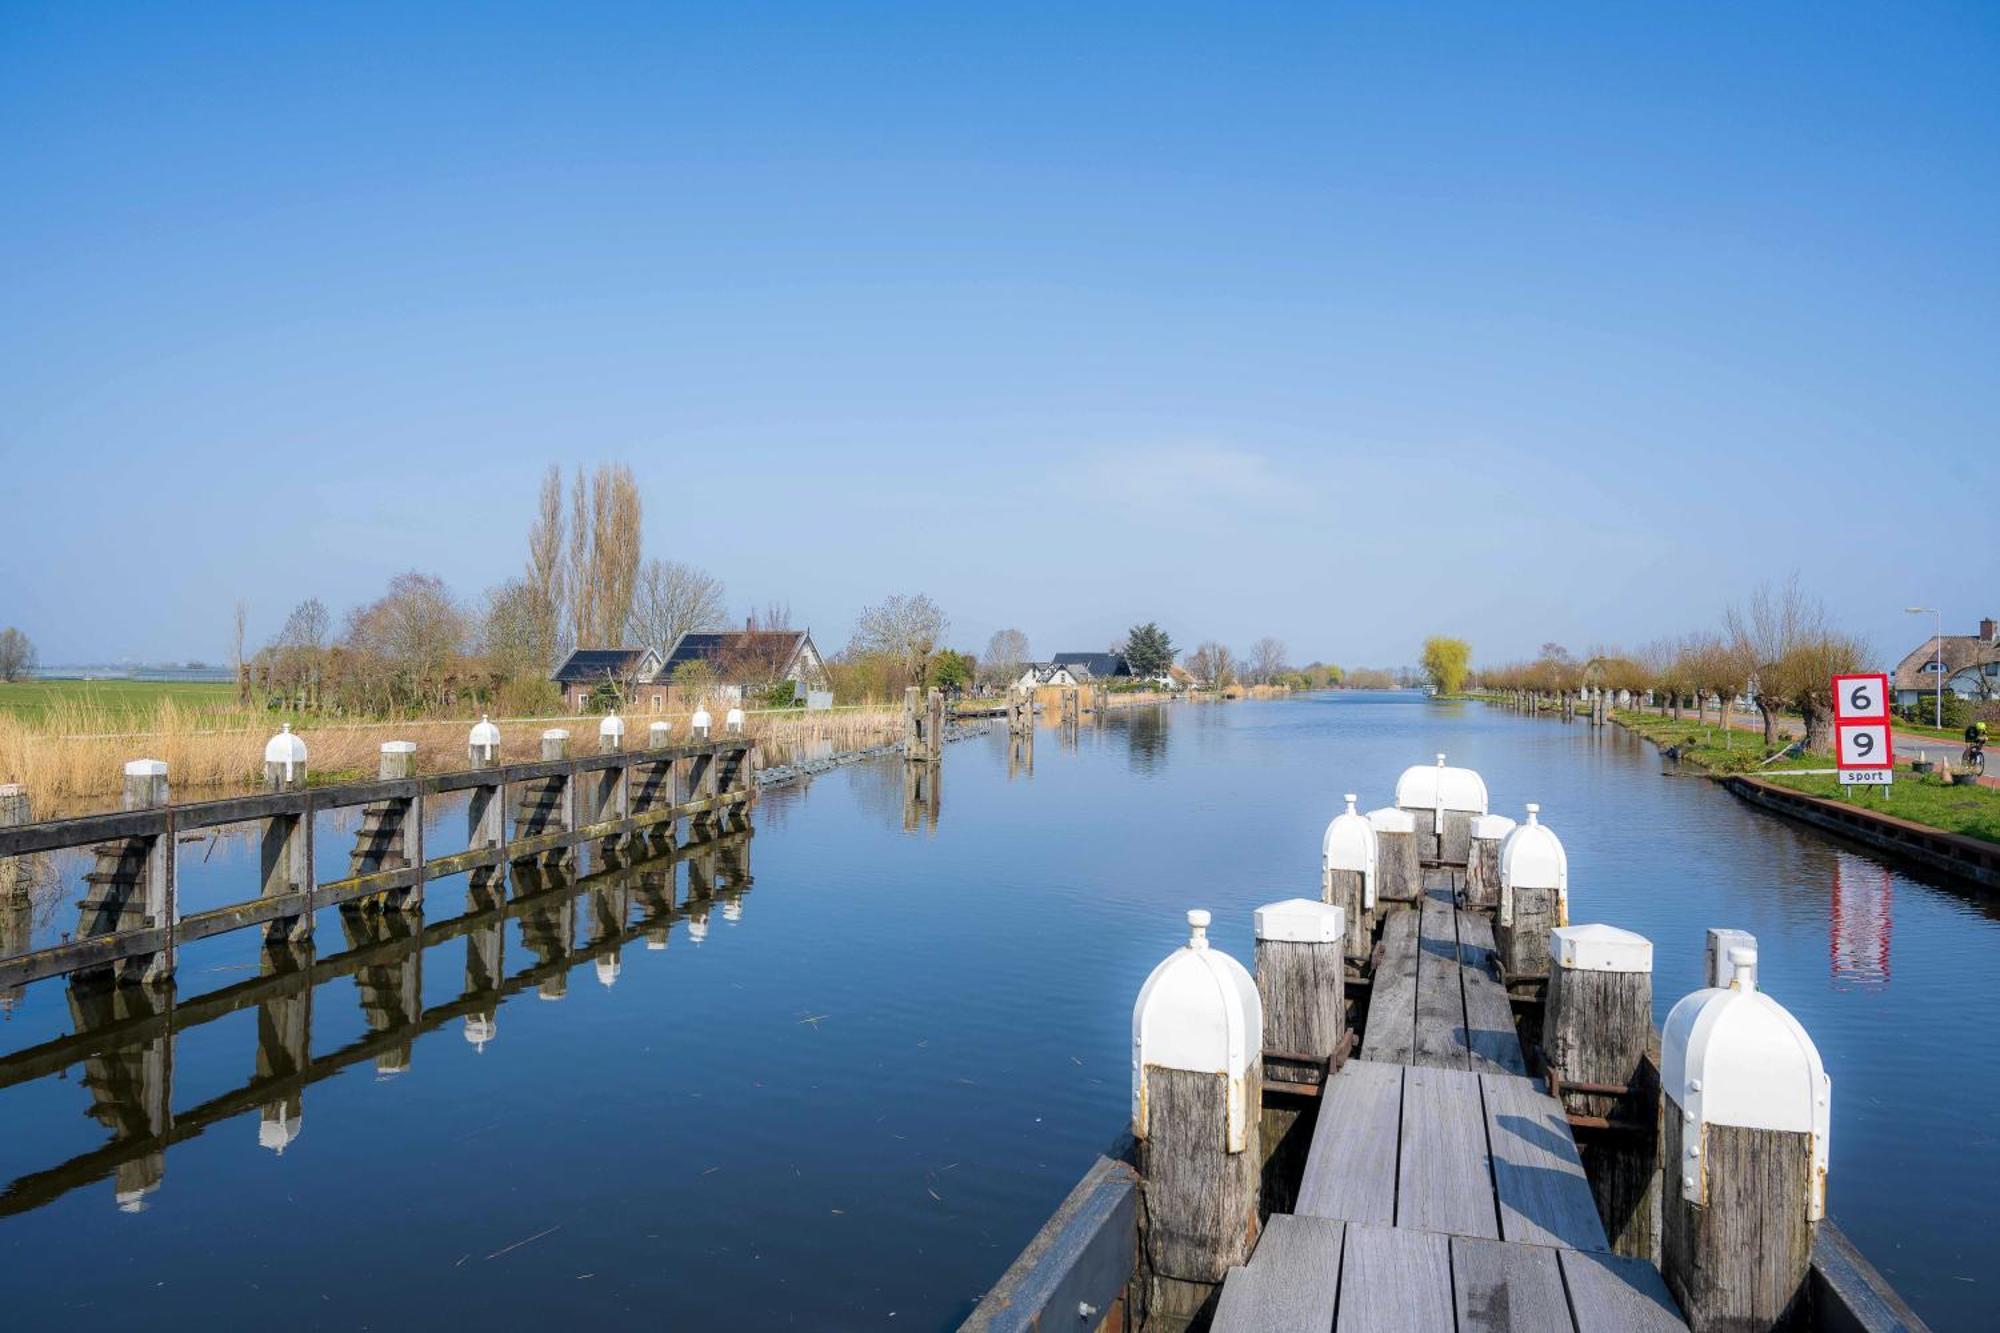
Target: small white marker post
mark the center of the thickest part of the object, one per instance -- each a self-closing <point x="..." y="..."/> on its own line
<point x="1348" y="869"/>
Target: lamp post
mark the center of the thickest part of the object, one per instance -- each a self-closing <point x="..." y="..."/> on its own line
<point x="1932" y="610"/>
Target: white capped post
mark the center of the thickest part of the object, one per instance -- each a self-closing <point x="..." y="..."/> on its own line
<point x="1349" y="859"/>
<point x="1400" y="876"/>
<point x="1197" y="1078"/>
<point x="1534" y="895"/>
<point x="1300" y="975"/>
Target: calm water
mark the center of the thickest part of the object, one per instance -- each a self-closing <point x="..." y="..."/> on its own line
<point x="843" y="1093"/>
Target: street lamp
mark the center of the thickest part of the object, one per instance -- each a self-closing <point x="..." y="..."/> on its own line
<point x="1932" y="610"/>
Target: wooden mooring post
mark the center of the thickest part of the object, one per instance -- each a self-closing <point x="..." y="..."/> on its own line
<point x="132" y="883"/>
<point x="1595" y="1031"/>
<point x="1348" y="867"/>
<point x="1748" y="1107"/>
<point x="288" y="838"/>
<point x="1482" y="859"/>
<point x="1400" y="871"/>
<point x="1534" y="896"/>
<point x="17" y="884"/>
<point x="1197" y="1086"/>
<point x="485" y="815"/>
<point x="923" y="725"/>
<point x="391" y="833"/>
<point x="1301" y="977"/>
<point x="1443" y="801"/>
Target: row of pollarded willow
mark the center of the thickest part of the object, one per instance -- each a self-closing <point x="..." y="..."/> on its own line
<point x="1779" y="646"/>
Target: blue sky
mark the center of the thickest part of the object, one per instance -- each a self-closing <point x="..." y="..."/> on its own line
<point x="1344" y="324"/>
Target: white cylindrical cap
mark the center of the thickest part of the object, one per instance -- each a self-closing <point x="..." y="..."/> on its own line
<point x="1199" y="1011"/>
<point x="399" y="747"/>
<point x="555" y="734"/>
<point x="608" y="969"/>
<point x="700" y="721"/>
<point x="484" y="735"/>
<point x="1533" y="858"/>
<point x="657" y="733"/>
<point x="612" y="725"/>
<point x="1721" y="941"/>
<point x="285" y="748"/>
<point x="733" y="720"/>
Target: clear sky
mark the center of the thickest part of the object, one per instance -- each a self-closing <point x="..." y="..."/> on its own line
<point x="1341" y="323"/>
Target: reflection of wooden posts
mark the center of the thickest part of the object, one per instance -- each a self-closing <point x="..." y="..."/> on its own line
<point x="607" y="792"/>
<point x="1595" y="1030"/>
<point x="391" y="991"/>
<point x="1748" y="1107"/>
<point x="131" y="1085"/>
<point x="485" y="958"/>
<point x="132" y="882"/>
<point x="287" y="845"/>
<point x="284" y="1041"/>
<point x="1069" y="705"/>
<point x="920" y="796"/>
<point x="1197" y="1042"/>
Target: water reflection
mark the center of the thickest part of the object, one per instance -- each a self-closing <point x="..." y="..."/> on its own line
<point x="920" y="796"/>
<point x="1146" y="739"/>
<point x="1861" y="921"/>
<point x="125" y="1036"/>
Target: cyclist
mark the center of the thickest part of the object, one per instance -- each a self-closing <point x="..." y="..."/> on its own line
<point x="1975" y="747"/>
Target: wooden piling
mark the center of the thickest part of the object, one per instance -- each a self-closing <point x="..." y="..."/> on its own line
<point x="1348" y="869"/>
<point x="1197" y="1036"/>
<point x="132" y="881"/>
<point x="15" y="810"/>
<point x="934" y="730"/>
<point x="1482" y="859"/>
<point x="286" y="851"/>
<point x="485" y="815"/>
<point x="1399" y="872"/>
<point x="1597" y="1026"/>
<point x="1747" y="1110"/>
<point x="1300" y="977"/>
<point x="1534" y="896"/>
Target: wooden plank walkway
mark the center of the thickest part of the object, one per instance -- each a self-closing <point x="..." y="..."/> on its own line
<point x="1438" y="1001"/>
<point x="1442" y="1189"/>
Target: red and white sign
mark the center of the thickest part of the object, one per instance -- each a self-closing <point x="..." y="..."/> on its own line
<point x="1862" y="746"/>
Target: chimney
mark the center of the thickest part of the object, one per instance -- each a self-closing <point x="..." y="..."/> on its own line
<point x="1987" y="630"/>
<point x="749" y="622"/>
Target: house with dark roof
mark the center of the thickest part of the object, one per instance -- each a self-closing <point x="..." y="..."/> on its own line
<point x="745" y="658"/>
<point x="1968" y="663"/>
<point x="1093" y="666"/>
<point x="1037" y="674"/>
<point x="626" y="670"/>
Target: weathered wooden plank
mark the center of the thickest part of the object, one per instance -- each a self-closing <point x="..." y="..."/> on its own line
<point x="1544" y="1196"/>
<point x="1610" y="1293"/>
<point x="1494" y="1042"/>
<point x="221" y="920"/>
<point x="1500" y="1288"/>
<point x="1445" y="1181"/>
<point x="1439" y="1037"/>
<point x="1393" y="1280"/>
<point x="1081" y="1258"/>
<point x="77" y="955"/>
<point x="1390" y="1036"/>
<point x="1291" y="1282"/>
<point x="1350" y="1171"/>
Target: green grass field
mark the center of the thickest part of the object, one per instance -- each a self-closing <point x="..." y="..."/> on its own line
<point x="1719" y="751"/>
<point x="1966" y="809"/>
<point x="31" y="700"/>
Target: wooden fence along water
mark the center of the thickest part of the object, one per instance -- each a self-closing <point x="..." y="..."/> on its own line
<point x="1467" y="1122"/>
<point x="130" y="925"/>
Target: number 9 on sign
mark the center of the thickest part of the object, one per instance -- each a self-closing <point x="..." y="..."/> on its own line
<point x="1863" y="745"/>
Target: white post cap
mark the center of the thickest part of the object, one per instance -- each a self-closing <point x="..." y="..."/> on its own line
<point x="701" y="720"/>
<point x="608" y="969"/>
<point x="1492" y="828"/>
<point x="1389" y="820"/>
<point x="1300" y="921"/>
<point x="480" y="1029"/>
<point x="1721" y="941"/>
<point x="659" y="731"/>
<point x="1199" y="1011"/>
<point x="1533" y="858"/>
<point x="733" y="720"/>
<point x="555" y="734"/>
<point x="484" y="734"/>
<point x="1598" y="948"/>
<point x="612" y="725"/>
<point x="146" y="768"/>
<point x="399" y="747"/>
<point x="285" y="748"/>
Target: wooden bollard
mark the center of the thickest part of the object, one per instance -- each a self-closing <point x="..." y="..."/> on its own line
<point x="1300" y="976"/>
<point x="659" y="735"/>
<point x="732" y="722"/>
<point x="1748" y="1109"/>
<point x="1443" y="801"/>
<point x="1197" y="1088"/>
<point x="286" y="855"/>
<point x="1482" y="859"/>
<point x="700" y="723"/>
<point x="133" y="882"/>
<point x="934" y="726"/>
<point x="609" y="796"/>
<point x="485" y="808"/>
<point x="1534" y="896"/>
<point x="1400" y="876"/>
<point x="1348" y="868"/>
<point x="1595" y="1030"/>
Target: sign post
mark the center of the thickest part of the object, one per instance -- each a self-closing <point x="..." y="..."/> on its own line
<point x="1862" y="747"/>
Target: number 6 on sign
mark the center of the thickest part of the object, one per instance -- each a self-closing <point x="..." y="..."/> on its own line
<point x="1864" y="745"/>
<point x="1859" y="698"/>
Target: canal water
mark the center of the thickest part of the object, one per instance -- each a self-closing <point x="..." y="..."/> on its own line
<point x="849" y="1072"/>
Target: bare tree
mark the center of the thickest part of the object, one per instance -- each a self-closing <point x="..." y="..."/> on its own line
<point x="512" y="631"/>
<point x="670" y="599"/>
<point x="903" y="629"/>
<point x="1006" y="655"/>
<point x="1267" y="660"/>
<point x="17" y="654"/>
<point x="614" y="551"/>
<point x="774" y="615"/>
<point x="296" y="658"/>
<point x="1212" y="665"/>
<point x="415" y="635"/>
<point x="1796" y="652"/>
<point x="548" y="576"/>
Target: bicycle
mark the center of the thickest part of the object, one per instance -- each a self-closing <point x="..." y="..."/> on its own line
<point x="1973" y="760"/>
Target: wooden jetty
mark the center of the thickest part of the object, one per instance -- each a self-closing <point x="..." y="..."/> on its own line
<point x="131" y="924"/>
<point x="1461" y="1145"/>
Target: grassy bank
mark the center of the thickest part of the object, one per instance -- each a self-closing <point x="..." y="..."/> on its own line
<point x="111" y="702"/>
<point x="1968" y="810"/>
<point x="71" y="760"/>
<point x="1706" y="745"/>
